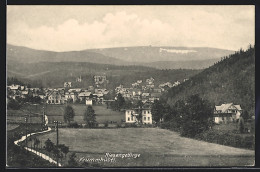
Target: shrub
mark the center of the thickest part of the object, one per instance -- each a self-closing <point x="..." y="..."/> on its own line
<point x="131" y="125"/>
<point x="73" y="125"/>
<point x="106" y="123"/>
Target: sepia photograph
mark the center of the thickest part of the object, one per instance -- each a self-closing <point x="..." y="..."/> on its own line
<point x="130" y="86"/>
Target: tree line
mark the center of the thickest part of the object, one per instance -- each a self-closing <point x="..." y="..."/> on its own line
<point x="89" y="117"/>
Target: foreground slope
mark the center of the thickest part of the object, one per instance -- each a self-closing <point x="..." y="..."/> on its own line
<point x="157" y="147"/>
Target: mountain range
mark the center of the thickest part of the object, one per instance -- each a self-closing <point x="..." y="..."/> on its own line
<point x="157" y="57"/>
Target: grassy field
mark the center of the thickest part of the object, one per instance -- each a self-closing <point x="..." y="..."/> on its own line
<point x="55" y="112"/>
<point x="157" y="147"/>
<point x="10" y="127"/>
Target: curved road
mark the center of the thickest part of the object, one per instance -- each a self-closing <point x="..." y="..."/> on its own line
<point x="34" y="151"/>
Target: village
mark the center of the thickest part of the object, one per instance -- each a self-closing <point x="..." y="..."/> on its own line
<point x="97" y="94"/>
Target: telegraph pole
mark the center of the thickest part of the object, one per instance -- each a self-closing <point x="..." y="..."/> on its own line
<point x="25" y="131"/>
<point x="57" y="131"/>
<point x="30" y="130"/>
<point x="43" y="119"/>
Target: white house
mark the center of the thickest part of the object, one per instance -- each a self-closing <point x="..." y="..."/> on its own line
<point x="130" y="116"/>
<point x="14" y="87"/>
<point x="139" y="81"/>
<point x="67" y="84"/>
<point x="147" y="116"/>
<point x="89" y="102"/>
<point x="227" y="113"/>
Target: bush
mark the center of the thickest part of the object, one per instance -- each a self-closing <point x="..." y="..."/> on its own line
<point x="106" y="123"/>
<point x="13" y="104"/>
<point x="130" y="125"/>
<point x="73" y="125"/>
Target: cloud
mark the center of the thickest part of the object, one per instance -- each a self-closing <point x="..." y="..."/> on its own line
<point x="122" y="28"/>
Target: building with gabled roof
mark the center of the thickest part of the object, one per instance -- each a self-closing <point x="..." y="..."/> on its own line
<point x="227" y="113"/>
<point x="55" y="97"/>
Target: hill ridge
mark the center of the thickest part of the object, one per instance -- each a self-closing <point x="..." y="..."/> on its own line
<point x="232" y="79"/>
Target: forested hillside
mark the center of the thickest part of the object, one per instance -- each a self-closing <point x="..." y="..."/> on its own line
<point x="54" y="74"/>
<point x="231" y="80"/>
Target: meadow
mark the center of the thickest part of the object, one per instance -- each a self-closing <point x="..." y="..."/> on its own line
<point x="56" y="112"/>
<point x="157" y="147"/>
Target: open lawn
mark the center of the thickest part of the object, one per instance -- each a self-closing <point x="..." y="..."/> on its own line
<point x="10" y="127"/>
<point x="157" y="147"/>
<point x="55" y="112"/>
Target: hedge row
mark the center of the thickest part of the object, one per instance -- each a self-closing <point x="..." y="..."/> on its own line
<point x="108" y="125"/>
<point x="228" y="139"/>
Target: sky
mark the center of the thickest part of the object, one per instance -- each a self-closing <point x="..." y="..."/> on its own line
<point x="69" y="28"/>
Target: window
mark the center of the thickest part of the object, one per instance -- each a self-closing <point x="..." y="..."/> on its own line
<point x="144" y="118"/>
<point x="132" y="118"/>
<point x="148" y="118"/>
<point x="144" y="112"/>
<point x="128" y="119"/>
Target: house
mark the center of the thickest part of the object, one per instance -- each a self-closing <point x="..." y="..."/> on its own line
<point x="90" y="88"/>
<point x="101" y="91"/>
<point x="67" y="84"/>
<point x="150" y="86"/>
<point x="79" y="79"/>
<point x="55" y="97"/>
<point x="84" y="95"/>
<point x="71" y="95"/>
<point x="227" y="113"/>
<point x="24" y="93"/>
<point x="145" y="95"/>
<point x="100" y="79"/>
<point x="41" y="96"/>
<point x="176" y="83"/>
<point x="135" y="85"/>
<point x="78" y="90"/>
<point x="99" y="98"/>
<point x="89" y="102"/>
<point x="157" y="90"/>
<point x="139" y="81"/>
<point x="147" y="116"/>
<point x="136" y="92"/>
<point x="131" y="116"/>
<point x="150" y="81"/>
<point x="14" y="88"/>
<point x="22" y="87"/>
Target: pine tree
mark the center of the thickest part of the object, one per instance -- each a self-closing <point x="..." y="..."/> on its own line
<point x="90" y="117"/>
<point x="69" y="114"/>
